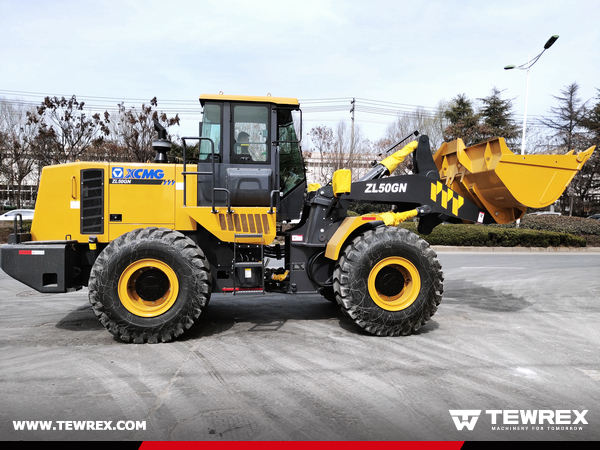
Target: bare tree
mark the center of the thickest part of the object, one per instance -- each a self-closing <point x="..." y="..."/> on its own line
<point x="107" y="150"/>
<point x="333" y="150"/>
<point x="537" y="141"/>
<point x="318" y="157"/>
<point x="566" y="120"/>
<point x="346" y="153"/>
<point x="133" y="129"/>
<point x="428" y="123"/>
<point x="16" y="146"/>
<point x="65" y="131"/>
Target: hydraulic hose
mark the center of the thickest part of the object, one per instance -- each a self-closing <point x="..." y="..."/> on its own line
<point x="389" y="164"/>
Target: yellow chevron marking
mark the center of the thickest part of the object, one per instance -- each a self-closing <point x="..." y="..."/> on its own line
<point x="448" y="195"/>
<point x="456" y="204"/>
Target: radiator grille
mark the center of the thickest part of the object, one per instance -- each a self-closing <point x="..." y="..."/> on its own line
<point x="92" y="201"/>
<point x="245" y="223"/>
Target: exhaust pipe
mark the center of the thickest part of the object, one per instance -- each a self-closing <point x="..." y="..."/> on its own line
<point x="162" y="145"/>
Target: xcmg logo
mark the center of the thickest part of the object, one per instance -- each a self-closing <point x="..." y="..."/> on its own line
<point x="126" y="176"/>
<point x="138" y="174"/>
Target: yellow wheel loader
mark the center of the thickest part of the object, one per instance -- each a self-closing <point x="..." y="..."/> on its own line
<point x="153" y="241"/>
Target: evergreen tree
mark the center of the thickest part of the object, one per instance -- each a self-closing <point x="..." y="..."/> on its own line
<point x="566" y="123"/>
<point x="588" y="179"/>
<point x="591" y="122"/>
<point x="497" y="119"/>
<point x="464" y="121"/>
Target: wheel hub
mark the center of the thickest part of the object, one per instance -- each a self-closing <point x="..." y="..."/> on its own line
<point x="394" y="283"/>
<point x="389" y="281"/>
<point x="151" y="285"/>
<point x="148" y="287"/>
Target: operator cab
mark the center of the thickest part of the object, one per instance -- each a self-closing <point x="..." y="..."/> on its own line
<point x="257" y="156"/>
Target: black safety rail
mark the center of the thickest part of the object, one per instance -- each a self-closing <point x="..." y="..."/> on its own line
<point x="17" y="228"/>
<point x="185" y="173"/>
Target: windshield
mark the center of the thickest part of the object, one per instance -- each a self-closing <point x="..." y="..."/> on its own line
<point x="250" y="134"/>
<point x="291" y="164"/>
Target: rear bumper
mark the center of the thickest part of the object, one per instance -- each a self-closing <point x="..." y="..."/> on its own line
<point x="44" y="266"/>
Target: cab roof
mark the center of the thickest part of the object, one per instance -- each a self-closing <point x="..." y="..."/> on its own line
<point x="249" y="98"/>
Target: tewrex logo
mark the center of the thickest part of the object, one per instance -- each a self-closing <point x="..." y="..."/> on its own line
<point x="121" y="175"/>
<point x="513" y="419"/>
<point x="465" y="418"/>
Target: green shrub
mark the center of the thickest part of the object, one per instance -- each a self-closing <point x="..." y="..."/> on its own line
<point x="560" y="224"/>
<point x="368" y="208"/>
<point x="492" y="236"/>
<point x="588" y="229"/>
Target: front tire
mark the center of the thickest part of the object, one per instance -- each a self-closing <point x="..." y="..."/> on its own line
<point x="389" y="281"/>
<point x="328" y="294"/>
<point x="149" y="285"/>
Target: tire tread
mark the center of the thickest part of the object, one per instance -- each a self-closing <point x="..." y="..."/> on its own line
<point x="351" y="291"/>
<point x="102" y="303"/>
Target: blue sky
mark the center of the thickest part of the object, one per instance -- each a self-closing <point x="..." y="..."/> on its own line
<point x="414" y="53"/>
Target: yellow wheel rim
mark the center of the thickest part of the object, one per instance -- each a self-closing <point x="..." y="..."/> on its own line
<point x="394" y="283"/>
<point x="148" y="288"/>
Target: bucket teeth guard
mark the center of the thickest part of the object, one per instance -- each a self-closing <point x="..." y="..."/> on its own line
<point x="504" y="183"/>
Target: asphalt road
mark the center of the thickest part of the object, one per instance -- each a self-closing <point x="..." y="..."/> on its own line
<point x="515" y="332"/>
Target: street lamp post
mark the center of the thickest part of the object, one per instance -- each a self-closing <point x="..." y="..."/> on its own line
<point x="527" y="66"/>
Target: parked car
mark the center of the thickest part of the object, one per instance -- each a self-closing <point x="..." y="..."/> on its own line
<point x="594" y="216"/>
<point x="26" y="214"/>
<point x="544" y="213"/>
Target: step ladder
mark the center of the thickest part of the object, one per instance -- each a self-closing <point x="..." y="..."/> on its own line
<point x="248" y="265"/>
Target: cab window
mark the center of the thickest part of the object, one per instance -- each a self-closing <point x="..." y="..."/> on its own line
<point x="291" y="164"/>
<point x="250" y="135"/>
<point x="211" y="128"/>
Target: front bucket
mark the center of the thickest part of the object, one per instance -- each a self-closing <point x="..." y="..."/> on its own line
<point x="505" y="184"/>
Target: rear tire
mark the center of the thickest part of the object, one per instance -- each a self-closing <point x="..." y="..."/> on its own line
<point x="149" y="285"/>
<point x="389" y="281"/>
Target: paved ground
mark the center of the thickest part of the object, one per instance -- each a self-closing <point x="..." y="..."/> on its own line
<point x="516" y="331"/>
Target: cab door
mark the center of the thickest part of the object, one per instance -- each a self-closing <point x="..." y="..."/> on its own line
<point x="251" y="175"/>
<point x="213" y="128"/>
<point x="291" y="170"/>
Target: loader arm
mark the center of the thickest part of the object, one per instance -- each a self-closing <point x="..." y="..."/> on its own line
<point x="422" y="190"/>
<point x="408" y="192"/>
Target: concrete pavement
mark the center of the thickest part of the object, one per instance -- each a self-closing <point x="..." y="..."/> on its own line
<point x="515" y="332"/>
